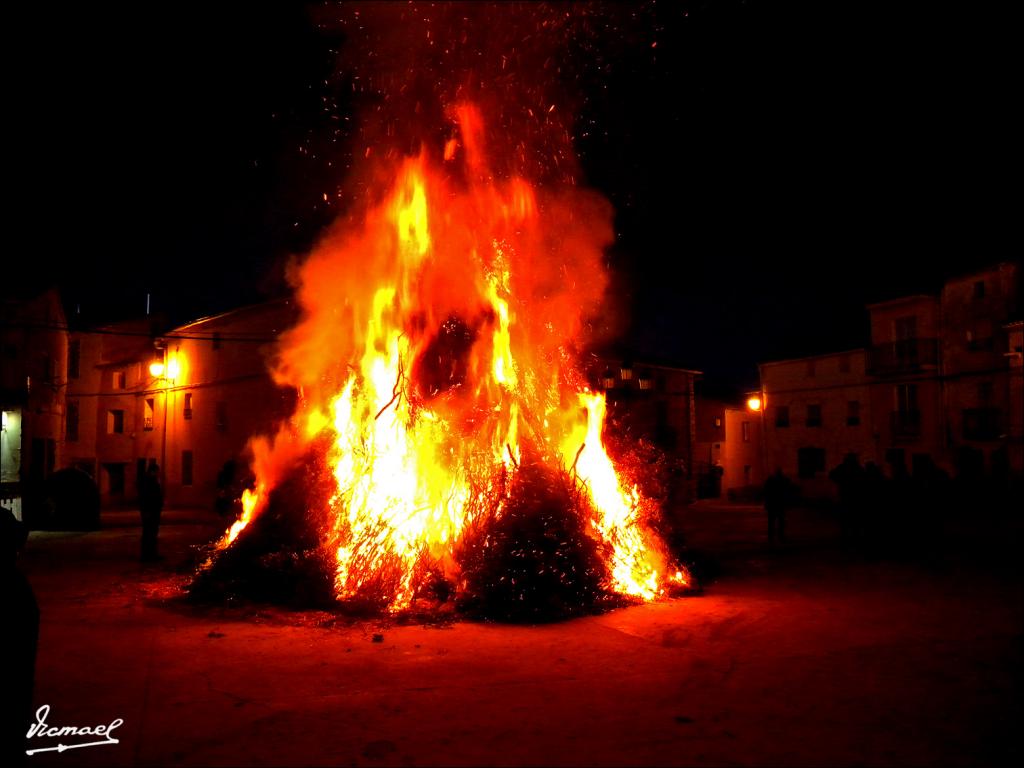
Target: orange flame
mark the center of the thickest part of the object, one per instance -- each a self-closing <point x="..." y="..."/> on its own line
<point x="433" y="340"/>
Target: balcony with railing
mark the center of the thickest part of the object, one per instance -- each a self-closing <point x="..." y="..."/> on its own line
<point x="905" y="425"/>
<point x="904" y="356"/>
<point x="982" y="423"/>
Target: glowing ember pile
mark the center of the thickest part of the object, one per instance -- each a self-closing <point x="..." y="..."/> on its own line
<point x="438" y="387"/>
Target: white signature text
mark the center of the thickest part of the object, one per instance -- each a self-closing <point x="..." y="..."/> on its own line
<point x="41" y="729"/>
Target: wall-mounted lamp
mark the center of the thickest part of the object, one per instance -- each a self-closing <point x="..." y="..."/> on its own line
<point x="754" y="403"/>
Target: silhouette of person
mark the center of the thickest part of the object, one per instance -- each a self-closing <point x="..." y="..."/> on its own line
<point x="901" y="507"/>
<point x="778" y="490"/>
<point x="21" y="621"/>
<point x="876" y="504"/>
<point x="850" y="482"/>
<point x="151" y="503"/>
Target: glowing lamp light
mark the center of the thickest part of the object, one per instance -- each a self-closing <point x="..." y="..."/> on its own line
<point x="156" y="369"/>
<point x="754" y="403"/>
<point x="173" y="369"/>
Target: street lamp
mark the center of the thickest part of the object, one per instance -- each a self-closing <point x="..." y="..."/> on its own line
<point x="165" y="371"/>
<point x="756" y="403"/>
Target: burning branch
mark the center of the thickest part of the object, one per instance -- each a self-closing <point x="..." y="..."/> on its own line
<point x="396" y="392"/>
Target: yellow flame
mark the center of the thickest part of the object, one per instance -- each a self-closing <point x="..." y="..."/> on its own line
<point x="250" y="503"/>
<point x="635" y="566"/>
<point x="402" y="466"/>
<point x="401" y="492"/>
<point x="411" y="216"/>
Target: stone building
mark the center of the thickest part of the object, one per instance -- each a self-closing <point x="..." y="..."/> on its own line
<point x="815" y="411"/>
<point x="654" y="402"/>
<point x="1015" y="417"/>
<point x="214" y="393"/>
<point x="727" y="456"/>
<point x="108" y="368"/>
<point x="33" y="376"/>
<point x="188" y="399"/>
<point x="935" y="386"/>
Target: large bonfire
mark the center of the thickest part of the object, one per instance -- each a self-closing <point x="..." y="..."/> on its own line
<point x="440" y="397"/>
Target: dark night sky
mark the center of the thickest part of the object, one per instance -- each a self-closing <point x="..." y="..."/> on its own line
<point x="774" y="166"/>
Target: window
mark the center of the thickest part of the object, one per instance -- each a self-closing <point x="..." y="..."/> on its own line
<point x="118" y="379"/>
<point x="187" y="400"/>
<point x="782" y="416"/>
<point x="71" y="419"/>
<point x="810" y="461"/>
<point x="844" y="364"/>
<point x="746" y="431"/>
<point x="115" y="478"/>
<point x="186" y="467"/>
<point x="852" y="413"/>
<point x="746" y="474"/>
<point x="44" y="458"/>
<point x="115" y="422"/>
<point x="979" y="336"/>
<point x="74" y="359"/>
<point x="985" y="393"/>
<point x="814" y="415"/>
<point x="906" y="398"/>
<point x="906" y="419"/>
<point x="979" y="289"/>
<point x="981" y="423"/>
<point x="718" y="422"/>
<point x="221" y="419"/>
<point x="147" y="418"/>
<point x="216" y="340"/>
<point x="905" y="328"/>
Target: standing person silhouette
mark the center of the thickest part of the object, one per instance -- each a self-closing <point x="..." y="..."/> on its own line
<point x="850" y="481"/>
<point x="151" y="503"/>
<point x="21" y="633"/>
<point x="778" y="490"/>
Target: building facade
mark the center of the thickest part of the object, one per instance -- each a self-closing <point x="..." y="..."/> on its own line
<point x="935" y="387"/>
<point x="815" y="409"/>
<point x="33" y="378"/>
<point x="727" y="457"/>
<point x="107" y="372"/>
<point x="1015" y="418"/>
<point x="187" y="399"/>
<point x="651" y="402"/>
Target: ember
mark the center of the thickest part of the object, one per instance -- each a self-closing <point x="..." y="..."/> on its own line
<point x="436" y="366"/>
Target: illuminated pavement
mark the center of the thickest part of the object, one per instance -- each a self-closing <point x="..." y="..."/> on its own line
<point x="804" y="656"/>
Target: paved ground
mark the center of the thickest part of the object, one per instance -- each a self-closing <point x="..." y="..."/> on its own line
<point x="804" y="655"/>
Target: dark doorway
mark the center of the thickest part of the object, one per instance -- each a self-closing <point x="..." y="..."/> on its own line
<point x="810" y="461"/>
<point x="971" y="463"/>
<point x="115" y="479"/>
<point x="140" y="472"/>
